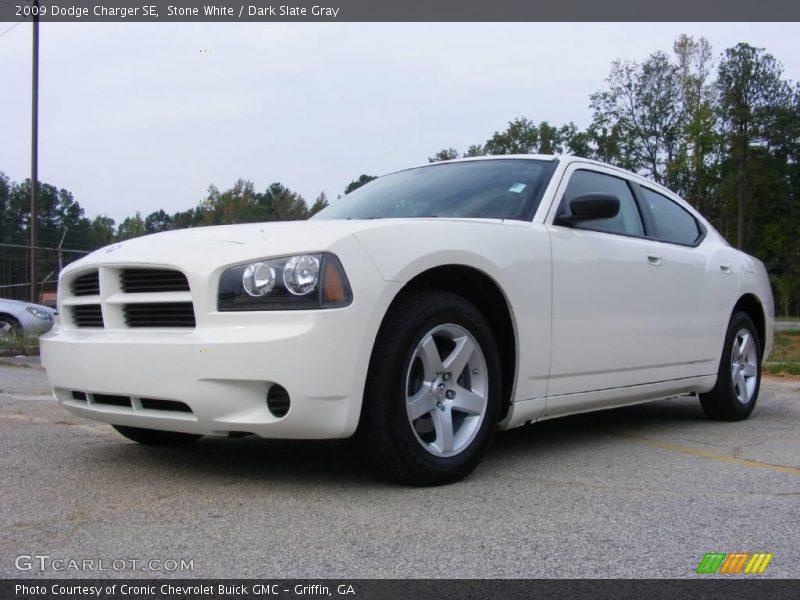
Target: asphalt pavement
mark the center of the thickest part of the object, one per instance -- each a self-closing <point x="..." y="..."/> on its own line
<point x="643" y="491"/>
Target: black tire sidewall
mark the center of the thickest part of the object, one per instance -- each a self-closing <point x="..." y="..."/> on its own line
<point x="16" y="328"/>
<point x="443" y="309"/>
<point x="727" y="396"/>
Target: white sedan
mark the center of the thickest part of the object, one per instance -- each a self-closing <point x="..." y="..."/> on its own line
<point x="417" y="315"/>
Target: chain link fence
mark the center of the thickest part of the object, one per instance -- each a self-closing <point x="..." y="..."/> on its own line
<point x="21" y="320"/>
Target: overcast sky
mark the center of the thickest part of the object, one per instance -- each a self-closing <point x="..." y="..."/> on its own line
<point x="135" y="117"/>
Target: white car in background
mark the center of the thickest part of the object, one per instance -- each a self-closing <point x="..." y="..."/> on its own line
<point x="418" y="314"/>
<point x="19" y="319"/>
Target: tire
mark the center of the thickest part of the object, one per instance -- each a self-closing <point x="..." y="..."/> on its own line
<point x="418" y="425"/>
<point x="10" y="329"/>
<point x="154" y="437"/>
<point x="739" y="377"/>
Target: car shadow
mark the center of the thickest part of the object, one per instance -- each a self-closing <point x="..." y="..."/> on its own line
<point x="645" y="419"/>
<point x="324" y="463"/>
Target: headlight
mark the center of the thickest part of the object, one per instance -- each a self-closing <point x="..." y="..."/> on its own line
<point x="37" y="312"/>
<point x="258" y="279"/>
<point x="301" y="282"/>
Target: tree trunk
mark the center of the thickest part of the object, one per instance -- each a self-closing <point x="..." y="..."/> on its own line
<point x="742" y="186"/>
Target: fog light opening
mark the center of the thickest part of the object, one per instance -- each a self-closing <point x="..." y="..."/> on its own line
<point x="278" y="401"/>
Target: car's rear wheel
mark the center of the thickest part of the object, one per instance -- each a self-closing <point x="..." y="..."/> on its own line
<point x="739" y="376"/>
<point x="433" y="390"/>
<point x="154" y="437"/>
<point x="10" y="329"/>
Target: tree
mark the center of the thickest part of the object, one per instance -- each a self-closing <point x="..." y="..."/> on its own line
<point x="282" y="204"/>
<point x="5" y="204"/>
<point x="238" y="204"/>
<point x="444" y="154"/>
<point x="131" y="227"/>
<point x="641" y="108"/>
<point x="693" y="171"/>
<point x="320" y="203"/>
<point x="475" y="150"/>
<point x="357" y="183"/>
<point x="751" y="93"/>
<point x="158" y="221"/>
<point x="520" y="137"/>
<point x="58" y="216"/>
<point x="574" y="141"/>
<point x="101" y="231"/>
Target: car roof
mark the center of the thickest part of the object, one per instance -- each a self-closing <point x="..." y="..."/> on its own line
<point x="567" y="159"/>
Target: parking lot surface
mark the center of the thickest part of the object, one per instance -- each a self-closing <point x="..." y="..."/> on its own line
<point x="643" y="491"/>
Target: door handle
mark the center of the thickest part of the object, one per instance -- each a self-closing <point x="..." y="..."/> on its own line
<point x="654" y="259"/>
<point x="726" y="268"/>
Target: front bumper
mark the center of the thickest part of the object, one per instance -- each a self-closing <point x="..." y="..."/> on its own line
<point x="222" y="369"/>
<point x="222" y="374"/>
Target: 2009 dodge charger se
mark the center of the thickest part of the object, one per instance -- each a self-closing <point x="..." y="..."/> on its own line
<point x="417" y="314"/>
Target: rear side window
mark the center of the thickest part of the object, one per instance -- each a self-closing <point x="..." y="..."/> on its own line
<point x="672" y="222"/>
<point x="627" y="222"/>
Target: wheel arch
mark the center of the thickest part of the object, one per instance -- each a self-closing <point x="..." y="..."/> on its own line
<point x="5" y="315"/>
<point x="752" y="307"/>
<point x="479" y="288"/>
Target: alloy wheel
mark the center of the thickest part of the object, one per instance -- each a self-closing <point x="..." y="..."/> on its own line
<point x="447" y="390"/>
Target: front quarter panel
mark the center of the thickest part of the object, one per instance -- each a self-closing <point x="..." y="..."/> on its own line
<point x="515" y="255"/>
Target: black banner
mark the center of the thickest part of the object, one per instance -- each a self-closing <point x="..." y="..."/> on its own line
<point x="395" y="589"/>
<point x="404" y="10"/>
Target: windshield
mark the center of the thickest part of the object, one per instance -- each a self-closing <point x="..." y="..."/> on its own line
<point x="480" y="189"/>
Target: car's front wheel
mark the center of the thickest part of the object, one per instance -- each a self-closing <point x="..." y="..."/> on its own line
<point x="433" y="390"/>
<point x="739" y="377"/>
<point x="154" y="437"/>
<point x="10" y="329"/>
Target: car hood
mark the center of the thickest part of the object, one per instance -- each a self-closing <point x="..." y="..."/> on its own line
<point x="206" y="248"/>
<point x="222" y="243"/>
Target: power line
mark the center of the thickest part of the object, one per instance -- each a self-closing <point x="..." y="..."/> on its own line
<point x="10" y="28"/>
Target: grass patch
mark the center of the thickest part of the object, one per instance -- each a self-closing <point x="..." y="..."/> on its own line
<point x="782" y="368"/>
<point x="786" y="348"/>
<point x="785" y="357"/>
<point x="28" y="346"/>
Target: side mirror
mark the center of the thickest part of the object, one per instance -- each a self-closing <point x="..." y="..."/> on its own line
<point x="589" y="207"/>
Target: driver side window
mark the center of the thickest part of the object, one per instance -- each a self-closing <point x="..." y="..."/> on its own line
<point x="627" y="222"/>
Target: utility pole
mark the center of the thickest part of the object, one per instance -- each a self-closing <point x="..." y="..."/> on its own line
<point x="34" y="147"/>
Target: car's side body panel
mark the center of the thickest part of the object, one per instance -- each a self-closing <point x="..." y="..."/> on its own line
<point x="627" y="310"/>
<point x="515" y="255"/>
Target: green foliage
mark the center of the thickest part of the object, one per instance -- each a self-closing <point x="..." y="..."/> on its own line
<point x="357" y="183"/>
<point x="320" y="203"/>
<point x="444" y="154"/>
<point x="131" y="227"/>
